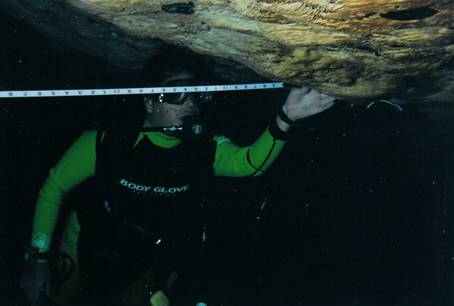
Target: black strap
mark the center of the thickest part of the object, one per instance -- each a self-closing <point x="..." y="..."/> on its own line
<point x="32" y="254"/>
<point x="275" y="130"/>
<point x="284" y="116"/>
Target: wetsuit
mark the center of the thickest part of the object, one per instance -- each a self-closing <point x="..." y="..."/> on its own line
<point x="151" y="187"/>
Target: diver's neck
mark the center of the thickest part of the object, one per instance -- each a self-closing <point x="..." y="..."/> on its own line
<point x="159" y="121"/>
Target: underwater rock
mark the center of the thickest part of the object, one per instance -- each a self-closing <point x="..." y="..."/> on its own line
<point x="355" y="49"/>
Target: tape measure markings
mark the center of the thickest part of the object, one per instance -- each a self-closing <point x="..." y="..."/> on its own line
<point x="134" y="91"/>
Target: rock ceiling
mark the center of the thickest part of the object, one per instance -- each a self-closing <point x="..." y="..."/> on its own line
<point x="349" y="48"/>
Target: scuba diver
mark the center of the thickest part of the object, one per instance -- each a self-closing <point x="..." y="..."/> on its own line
<point x="138" y="243"/>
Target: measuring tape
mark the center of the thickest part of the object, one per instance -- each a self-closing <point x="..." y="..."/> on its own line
<point x="135" y="91"/>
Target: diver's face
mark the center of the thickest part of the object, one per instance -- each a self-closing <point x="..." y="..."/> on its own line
<point x="188" y="107"/>
<point x="173" y="114"/>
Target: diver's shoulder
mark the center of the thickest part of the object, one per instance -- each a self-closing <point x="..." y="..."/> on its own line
<point x="90" y="133"/>
<point x="220" y="139"/>
<point x="88" y="136"/>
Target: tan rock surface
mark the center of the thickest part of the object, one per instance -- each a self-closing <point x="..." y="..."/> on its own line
<point x="348" y="48"/>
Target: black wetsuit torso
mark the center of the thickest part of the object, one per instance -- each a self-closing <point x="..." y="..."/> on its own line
<point x="148" y="211"/>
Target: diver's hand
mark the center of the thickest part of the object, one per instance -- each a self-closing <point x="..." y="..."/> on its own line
<point x="303" y="102"/>
<point x="159" y="299"/>
<point x="34" y="278"/>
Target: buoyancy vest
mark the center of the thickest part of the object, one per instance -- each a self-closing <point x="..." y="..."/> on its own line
<point x="154" y="189"/>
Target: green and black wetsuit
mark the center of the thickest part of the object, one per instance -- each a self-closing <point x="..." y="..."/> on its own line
<point x="151" y="187"/>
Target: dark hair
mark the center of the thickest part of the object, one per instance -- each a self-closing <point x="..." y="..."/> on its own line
<point x="173" y="60"/>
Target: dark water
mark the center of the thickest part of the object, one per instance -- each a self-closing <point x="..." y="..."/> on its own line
<point x="359" y="205"/>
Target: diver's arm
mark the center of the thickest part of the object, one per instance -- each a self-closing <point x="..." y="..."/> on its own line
<point x="232" y="160"/>
<point x="235" y="161"/>
<point x="76" y="165"/>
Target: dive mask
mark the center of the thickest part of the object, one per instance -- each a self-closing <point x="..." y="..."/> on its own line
<point x="199" y="98"/>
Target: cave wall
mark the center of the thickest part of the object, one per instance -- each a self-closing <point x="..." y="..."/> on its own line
<point x="353" y="49"/>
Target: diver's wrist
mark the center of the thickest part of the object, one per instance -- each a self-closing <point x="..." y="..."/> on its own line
<point x="32" y="255"/>
<point x="283" y="114"/>
<point x="282" y="125"/>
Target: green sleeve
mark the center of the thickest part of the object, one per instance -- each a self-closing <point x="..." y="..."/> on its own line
<point x="235" y="161"/>
<point x="76" y="165"/>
